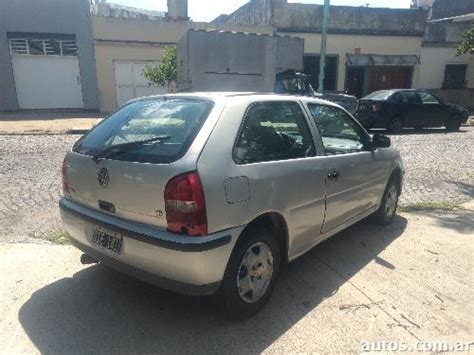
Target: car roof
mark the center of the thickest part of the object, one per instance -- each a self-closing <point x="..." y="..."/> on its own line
<point x="229" y="95"/>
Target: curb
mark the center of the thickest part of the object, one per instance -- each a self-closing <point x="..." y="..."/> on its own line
<point x="77" y="131"/>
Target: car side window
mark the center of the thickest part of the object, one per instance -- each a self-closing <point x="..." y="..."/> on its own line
<point x="273" y="130"/>
<point x="427" y="99"/>
<point x="410" y="97"/>
<point x="396" y="98"/>
<point x="339" y="133"/>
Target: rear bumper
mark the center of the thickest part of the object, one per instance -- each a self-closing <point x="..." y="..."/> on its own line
<point x="189" y="265"/>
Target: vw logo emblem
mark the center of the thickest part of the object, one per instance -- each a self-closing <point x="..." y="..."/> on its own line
<point x="103" y="177"/>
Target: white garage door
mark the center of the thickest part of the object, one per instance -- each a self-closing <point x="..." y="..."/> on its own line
<point x="130" y="82"/>
<point x="46" y="74"/>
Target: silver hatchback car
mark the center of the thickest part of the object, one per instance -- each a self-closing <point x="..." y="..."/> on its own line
<point x="210" y="193"/>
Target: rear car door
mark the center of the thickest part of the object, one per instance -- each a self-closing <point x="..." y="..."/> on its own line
<point x="411" y="109"/>
<point x="355" y="175"/>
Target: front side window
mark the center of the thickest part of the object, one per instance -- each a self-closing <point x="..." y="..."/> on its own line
<point x="339" y="133"/>
<point x="273" y="131"/>
<point x="427" y="99"/>
<point x="147" y="131"/>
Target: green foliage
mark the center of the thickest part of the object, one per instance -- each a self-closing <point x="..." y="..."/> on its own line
<point x="60" y="237"/>
<point x="430" y="206"/>
<point x="166" y="72"/>
<point x="467" y="43"/>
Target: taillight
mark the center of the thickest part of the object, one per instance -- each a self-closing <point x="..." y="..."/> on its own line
<point x="185" y="205"/>
<point x="376" y="108"/>
<point x="66" y="187"/>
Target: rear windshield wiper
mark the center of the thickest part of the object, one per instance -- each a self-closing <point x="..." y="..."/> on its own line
<point x="125" y="147"/>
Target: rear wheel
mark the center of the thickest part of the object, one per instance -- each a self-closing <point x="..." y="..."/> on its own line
<point x="388" y="207"/>
<point x="250" y="275"/>
<point x="453" y="124"/>
<point x="395" y="125"/>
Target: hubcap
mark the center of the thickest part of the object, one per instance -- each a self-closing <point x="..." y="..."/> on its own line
<point x="391" y="201"/>
<point x="255" y="272"/>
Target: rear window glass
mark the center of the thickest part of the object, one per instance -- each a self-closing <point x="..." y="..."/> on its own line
<point x="149" y="131"/>
<point x="379" y="95"/>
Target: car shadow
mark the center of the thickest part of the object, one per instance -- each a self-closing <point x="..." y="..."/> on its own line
<point x="463" y="188"/>
<point x="98" y="310"/>
<point x="460" y="220"/>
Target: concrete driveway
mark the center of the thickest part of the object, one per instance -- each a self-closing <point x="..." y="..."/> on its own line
<point x="410" y="282"/>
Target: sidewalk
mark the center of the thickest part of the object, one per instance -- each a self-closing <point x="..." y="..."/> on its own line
<point x="33" y="122"/>
<point x="405" y="283"/>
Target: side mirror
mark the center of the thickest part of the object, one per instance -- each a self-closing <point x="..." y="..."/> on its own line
<point x="380" y="141"/>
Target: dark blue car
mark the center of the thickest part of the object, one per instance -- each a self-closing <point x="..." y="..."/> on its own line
<point x="399" y="108"/>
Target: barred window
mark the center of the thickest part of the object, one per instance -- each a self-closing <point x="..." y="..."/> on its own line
<point x="44" y="47"/>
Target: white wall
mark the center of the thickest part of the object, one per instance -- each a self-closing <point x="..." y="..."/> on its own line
<point x="433" y="62"/>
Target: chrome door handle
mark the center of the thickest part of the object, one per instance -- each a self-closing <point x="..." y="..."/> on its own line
<point x="333" y="174"/>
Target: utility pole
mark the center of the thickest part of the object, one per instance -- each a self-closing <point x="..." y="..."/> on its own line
<point x="322" y="58"/>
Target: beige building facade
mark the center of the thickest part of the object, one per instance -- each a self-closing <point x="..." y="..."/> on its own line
<point x="124" y="46"/>
<point x="442" y="71"/>
<point x="339" y="46"/>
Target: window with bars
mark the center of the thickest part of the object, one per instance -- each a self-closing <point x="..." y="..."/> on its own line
<point x="455" y="76"/>
<point x="31" y="46"/>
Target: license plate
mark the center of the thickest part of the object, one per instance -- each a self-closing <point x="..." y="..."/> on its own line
<point x="106" y="241"/>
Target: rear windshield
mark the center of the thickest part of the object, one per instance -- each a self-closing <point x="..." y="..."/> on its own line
<point x="379" y="95"/>
<point x="167" y="128"/>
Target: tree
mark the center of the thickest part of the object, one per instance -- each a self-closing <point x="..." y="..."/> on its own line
<point x="467" y="43"/>
<point x="165" y="73"/>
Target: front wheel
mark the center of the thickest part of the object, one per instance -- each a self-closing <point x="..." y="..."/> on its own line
<point x="388" y="207"/>
<point x="453" y="124"/>
<point x="250" y="275"/>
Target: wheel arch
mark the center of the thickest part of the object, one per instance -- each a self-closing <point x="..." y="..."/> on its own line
<point x="276" y="224"/>
<point x="398" y="175"/>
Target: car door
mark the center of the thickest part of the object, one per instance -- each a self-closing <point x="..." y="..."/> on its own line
<point x="431" y="110"/>
<point x="411" y="109"/>
<point x="355" y="174"/>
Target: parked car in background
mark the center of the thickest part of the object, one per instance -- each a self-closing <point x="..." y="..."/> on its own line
<point x="396" y="109"/>
<point x="212" y="192"/>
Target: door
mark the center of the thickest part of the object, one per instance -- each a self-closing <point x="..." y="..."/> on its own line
<point x="275" y="152"/>
<point x="409" y="108"/>
<point x="47" y="82"/>
<point x="431" y="110"/>
<point x="131" y="83"/>
<point x="383" y="78"/>
<point x="355" y="175"/>
<point x="355" y="82"/>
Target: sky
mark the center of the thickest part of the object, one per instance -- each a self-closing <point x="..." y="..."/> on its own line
<point x="207" y="10"/>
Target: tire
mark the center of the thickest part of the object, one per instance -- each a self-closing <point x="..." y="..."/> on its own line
<point x="395" y="125"/>
<point x="233" y="297"/>
<point x="419" y="128"/>
<point x="453" y="124"/>
<point x="388" y="207"/>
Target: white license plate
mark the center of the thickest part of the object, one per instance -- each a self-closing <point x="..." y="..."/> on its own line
<point x="107" y="241"/>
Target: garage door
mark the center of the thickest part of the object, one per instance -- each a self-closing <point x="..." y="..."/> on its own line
<point x="46" y="73"/>
<point x="130" y="82"/>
